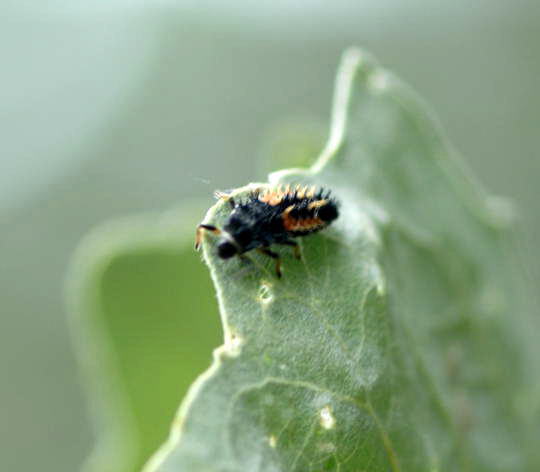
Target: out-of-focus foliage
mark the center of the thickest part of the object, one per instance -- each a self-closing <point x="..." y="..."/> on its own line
<point x="399" y="343"/>
<point x="145" y="327"/>
<point x="292" y="143"/>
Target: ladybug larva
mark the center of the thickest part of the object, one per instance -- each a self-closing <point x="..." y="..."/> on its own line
<point x="272" y="216"/>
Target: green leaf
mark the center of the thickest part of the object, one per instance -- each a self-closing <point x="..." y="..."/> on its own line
<point x="397" y="344"/>
<point x="292" y="142"/>
<point x="144" y="325"/>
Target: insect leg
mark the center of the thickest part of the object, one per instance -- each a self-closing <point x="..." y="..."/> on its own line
<point x="294" y="245"/>
<point x="198" y="233"/>
<point x="273" y="255"/>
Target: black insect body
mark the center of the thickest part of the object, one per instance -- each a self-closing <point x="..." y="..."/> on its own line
<point x="272" y="216"/>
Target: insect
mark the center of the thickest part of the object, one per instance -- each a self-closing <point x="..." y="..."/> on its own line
<point x="272" y="216"/>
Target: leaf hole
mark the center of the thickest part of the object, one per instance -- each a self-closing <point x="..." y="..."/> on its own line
<point x="265" y="295"/>
<point x="234" y="344"/>
<point x="326" y="418"/>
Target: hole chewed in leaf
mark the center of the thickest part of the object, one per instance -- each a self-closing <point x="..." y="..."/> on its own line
<point x="265" y="294"/>
<point x="326" y="418"/>
<point x="233" y="345"/>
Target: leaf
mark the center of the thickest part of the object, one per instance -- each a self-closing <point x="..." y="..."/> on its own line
<point x="398" y="343"/>
<point x="144" y="327"/>
<point x="291" y="142"/>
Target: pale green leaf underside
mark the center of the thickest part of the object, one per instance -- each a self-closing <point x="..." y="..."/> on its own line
<point x="397" y="344"/>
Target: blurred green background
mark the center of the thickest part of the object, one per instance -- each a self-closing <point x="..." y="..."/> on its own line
<point x="121" y="107"/>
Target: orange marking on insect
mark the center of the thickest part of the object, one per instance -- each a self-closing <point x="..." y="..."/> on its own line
<point x="298" y="224"/>
<point x="272" y="198"/>
<point x="317" y="204"/>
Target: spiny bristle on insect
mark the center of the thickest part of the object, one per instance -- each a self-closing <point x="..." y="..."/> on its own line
<point x="220" y="195"/>
<point x="273" y="196"/>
